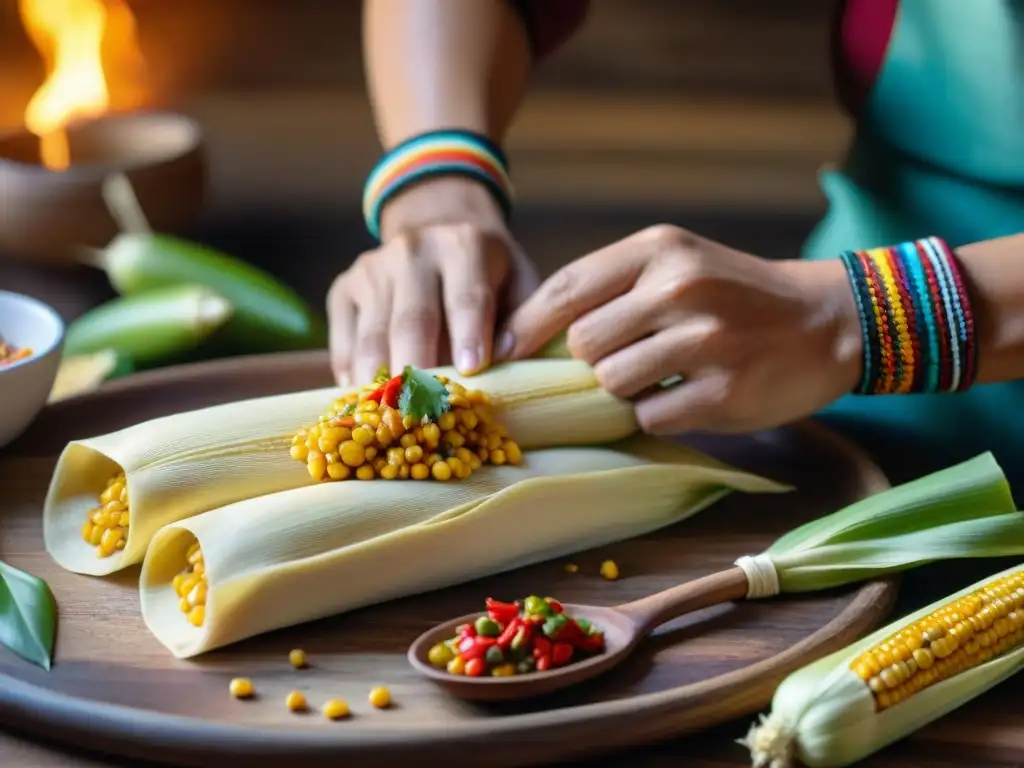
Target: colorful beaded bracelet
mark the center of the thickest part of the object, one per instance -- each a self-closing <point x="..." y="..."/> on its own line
<point x="437" y="153"/>
<point x="916" y="319"/>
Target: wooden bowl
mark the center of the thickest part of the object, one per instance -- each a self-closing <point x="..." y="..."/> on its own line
<point x="46" y="215"/>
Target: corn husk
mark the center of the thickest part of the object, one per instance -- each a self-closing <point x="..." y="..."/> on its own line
<point x="181" y="465"/>
<point x="824" y="715"/>
<point x="300" y="555"/>
<point x="964" y="511"/>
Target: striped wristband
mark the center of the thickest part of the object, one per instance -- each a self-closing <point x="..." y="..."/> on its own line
<point x="438" y="153"/>
<point x="916" y="320"/>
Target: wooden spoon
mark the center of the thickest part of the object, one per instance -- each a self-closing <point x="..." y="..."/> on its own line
<point x="624" y="627"/>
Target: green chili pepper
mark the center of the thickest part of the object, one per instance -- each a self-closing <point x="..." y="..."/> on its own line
<point x="494" y="657"/>
<point x="150" y="327"/>
<point x="536" y="606"/>
<point x="269" y="316"/>
<point x="487" y="627"/>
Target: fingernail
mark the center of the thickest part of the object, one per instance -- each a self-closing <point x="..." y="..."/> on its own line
<point x="506" y="344"/>
<point x="469" y="360"/>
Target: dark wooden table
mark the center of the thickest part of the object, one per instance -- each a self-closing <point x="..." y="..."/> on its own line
<point x="988" y="731"/>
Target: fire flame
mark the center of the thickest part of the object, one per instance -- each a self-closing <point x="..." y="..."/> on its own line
<point x="70" y="37"/>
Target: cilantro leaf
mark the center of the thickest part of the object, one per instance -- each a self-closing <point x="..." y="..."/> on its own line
<point x="422" y="395"/>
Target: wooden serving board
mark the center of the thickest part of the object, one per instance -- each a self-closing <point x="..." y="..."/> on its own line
<point x="114" y="688"/>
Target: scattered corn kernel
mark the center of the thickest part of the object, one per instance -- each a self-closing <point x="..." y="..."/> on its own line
<point x="297" y="658"/>
<point x="362" y="439"/>
<point x="296" y="702"/>
<point x="335" y="709"/>
<point x="106" y="525"/>
<point x="241" y="688"/>
<point x="571" y="568"/>
<point x="609" y="570"/>
<point x="380" y="697"/>
<point x="960" y="635"/>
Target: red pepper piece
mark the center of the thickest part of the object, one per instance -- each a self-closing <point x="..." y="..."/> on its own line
<point x="377" y="394"/>
<point x="502" y="613"/>
<point x="572" y="633"/>
<point x="474" y="647"/>
<point x="508" y="634"/>
<point x="554" y="605"/>
<point x="475" y="667"/>
<point x="543" y="663"/>
<point x="593" y="644"/>
<point x="466" y="630"/>
<point x="389" y="392"/>
<point x="541" y="647"/>
<point x="561" y="653"/>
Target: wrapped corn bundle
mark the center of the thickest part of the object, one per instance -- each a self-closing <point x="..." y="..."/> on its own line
<point x="291" y="557"/>
<point x="856" y="701"/>
<point x="110" y="494"/>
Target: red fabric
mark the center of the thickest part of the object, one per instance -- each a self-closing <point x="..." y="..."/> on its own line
<point x="861" y="38"/>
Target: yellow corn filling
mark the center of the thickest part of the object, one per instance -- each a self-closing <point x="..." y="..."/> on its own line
<point x="967" y="632"/>
<point x="106" y="526"/>
<point x="361" y="439"/>
<point x="191" y="586"/>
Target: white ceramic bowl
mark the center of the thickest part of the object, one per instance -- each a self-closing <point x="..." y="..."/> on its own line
<point x="26" y="384"/>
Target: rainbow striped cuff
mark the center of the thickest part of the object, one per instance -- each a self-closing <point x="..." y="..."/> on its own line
<point x="438" y="153"/>
<point x="916" y="319"/>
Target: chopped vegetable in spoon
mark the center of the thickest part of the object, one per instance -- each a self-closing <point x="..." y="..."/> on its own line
<point x="10" y="354"/>
<point x="531" y="635"/>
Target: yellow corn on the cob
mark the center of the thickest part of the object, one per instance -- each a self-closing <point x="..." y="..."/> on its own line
<point x="177" y="466"/>
<point x="852" y="703"/>
<point x="291" y="557"/>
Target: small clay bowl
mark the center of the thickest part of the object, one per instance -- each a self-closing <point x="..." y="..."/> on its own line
<point x="47" y="216"/>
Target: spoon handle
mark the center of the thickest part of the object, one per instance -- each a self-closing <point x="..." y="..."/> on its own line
<point x="653" y="611"/>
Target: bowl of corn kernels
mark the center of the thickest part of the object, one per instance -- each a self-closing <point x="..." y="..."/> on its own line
<point x="31" y="339"/>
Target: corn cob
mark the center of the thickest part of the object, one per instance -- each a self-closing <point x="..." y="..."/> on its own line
<point x="852" y="703"/>
<point x="181" y="465"/>
<point x="560" y="500"/>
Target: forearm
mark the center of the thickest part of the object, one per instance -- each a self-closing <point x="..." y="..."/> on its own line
<point x="994" y="273"/>
<point x="434" y="64"/>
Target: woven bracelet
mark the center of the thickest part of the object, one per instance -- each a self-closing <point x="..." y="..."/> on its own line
<point x="916" y="320"/>
<point x="437" y="153"/>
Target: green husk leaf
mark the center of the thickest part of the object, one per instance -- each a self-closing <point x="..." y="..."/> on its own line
<point x="964" y="511"/>
<point x="28" y="615"/>
<point x="423" y="395"/>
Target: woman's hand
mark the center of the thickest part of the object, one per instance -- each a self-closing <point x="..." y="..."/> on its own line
<point x="446" y="257"/>
<point x="758" y="343"/>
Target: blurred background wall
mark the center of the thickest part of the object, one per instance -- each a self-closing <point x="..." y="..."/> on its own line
<point x="712" y="114"/>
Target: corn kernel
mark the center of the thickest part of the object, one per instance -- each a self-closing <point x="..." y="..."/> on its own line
<point x="456" y="666"/>
<point x="380" y="697"/>
<point x="297" y="658"/>
<point x="241" y="688"/>
<point x="609" y="570"/>
<point x="296" y="702"/>
<point x="335" y="709"/>
<point x="571" y="568"/>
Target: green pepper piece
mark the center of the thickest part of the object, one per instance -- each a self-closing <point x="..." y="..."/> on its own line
<point x="554" y="624"/>
<point x="494" y="657"/>
<point x="487" y="627"/>
<point x="536" y="606"/>
<point x="586" y="626"/>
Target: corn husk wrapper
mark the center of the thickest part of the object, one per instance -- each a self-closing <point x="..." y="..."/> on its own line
<point x="304" y="554"/>
<point x="824" y="715"/>
<point x="181" y="465"/>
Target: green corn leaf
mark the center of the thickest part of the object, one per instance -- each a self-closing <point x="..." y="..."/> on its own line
<point x="964" y="511"/>
<point x="28" y="616"/>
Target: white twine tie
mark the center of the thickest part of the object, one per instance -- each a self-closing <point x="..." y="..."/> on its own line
<point x="762" y="578"/>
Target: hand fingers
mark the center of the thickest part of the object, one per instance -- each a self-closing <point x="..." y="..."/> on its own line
<point x="341" y="313"/>
<point x="629" y="371"/>
<point x="415" y="316"/>
<point x="372" y="326"/>
<point x="470" y="277"/>
<point x="577" y="288"/>
<point x="695" y="404"/>
<point x="611" y="327"/>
